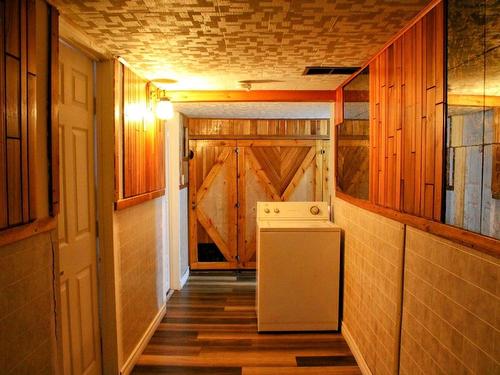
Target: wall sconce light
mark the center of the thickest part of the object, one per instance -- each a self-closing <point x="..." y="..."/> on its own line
<point x="134" y="111"/>
<point x="164" y="109"/>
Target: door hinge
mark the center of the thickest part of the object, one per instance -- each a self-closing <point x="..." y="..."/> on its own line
<point x="97" y="228"/>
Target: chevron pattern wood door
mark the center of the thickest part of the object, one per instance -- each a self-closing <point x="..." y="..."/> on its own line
<point x="225" y="185"/>
<point x="213" y="199"/>
<point x="286" y="170"/>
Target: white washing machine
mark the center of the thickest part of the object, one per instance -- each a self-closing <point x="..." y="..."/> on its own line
<point x="298" y="264"/>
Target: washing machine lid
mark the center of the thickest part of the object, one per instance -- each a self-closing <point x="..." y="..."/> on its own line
<point x="297" y="226"/>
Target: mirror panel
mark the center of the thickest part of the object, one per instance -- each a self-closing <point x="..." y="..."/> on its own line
<point x="473" y="116"/>
<point x="353" y="139"/>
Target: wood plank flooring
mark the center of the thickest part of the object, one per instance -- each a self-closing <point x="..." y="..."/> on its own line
<point x="211" y="328"/>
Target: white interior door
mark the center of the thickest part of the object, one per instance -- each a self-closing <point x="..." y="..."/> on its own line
<point x="77" y="236"/>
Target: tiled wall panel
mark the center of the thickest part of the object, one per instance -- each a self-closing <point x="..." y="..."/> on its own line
<point x="139" y="231"/>
<point x="451" y="308"/>
<point x="373" y="261"/>
<point x="27" y="334"/>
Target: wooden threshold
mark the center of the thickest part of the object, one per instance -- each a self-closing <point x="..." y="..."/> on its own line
<point x="25" y="231"/>
<point x="476" y="241"/>
<point x="138" y="199"/>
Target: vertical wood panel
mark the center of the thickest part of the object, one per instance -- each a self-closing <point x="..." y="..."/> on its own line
<point x="14" y="181"/>
<point x="13" y="96"/>
<point x="32" y="116"/>
<point x="24" y="112"/>
<point x="339" y="107"/>
<point x="143" y="149"/>
<point x="439" y="52"/>
<point x="407" y="120"/>
<point x="12" y="27"/>
<point x="3" y="135"/>
<point x="54" y="110"/>
<point x="31" y="14"/>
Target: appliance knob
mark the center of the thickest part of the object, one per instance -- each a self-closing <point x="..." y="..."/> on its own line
<point x="314" y="210"/>
<point x="267" y="210"/>
<point x="277" y="210"/>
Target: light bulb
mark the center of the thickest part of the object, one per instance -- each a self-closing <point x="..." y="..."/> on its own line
<point x="164" y="109"/>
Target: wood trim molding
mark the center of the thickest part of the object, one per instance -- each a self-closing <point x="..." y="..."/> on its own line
<point x="474" y="100"/>
<point x="484" y="244"/>
<point x="363" y="366"/>
<point x="53" y="113"/>
<point x="252" y="96"/>
<point x="25" y="231"/>
<point x="71" y="34"/>
<point x="259" y="137"/>
<point x="144" y="340"/>
<point x="138" y="199"/>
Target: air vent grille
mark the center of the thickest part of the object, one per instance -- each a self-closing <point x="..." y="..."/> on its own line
<point x="330" y="70"/>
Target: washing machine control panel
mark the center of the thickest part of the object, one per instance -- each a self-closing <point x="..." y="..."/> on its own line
<point x="293" y="211"/>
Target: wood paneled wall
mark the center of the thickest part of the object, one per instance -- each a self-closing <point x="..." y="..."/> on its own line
<point x="258" y="128"/>
<point x="17" y="112"/>
<point x="407" y="120"/>
<point x="143" y="139"/>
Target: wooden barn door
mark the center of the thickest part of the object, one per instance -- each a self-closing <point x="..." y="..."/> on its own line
<point x="284" y="170"/>
<point x="213" y="200"/>
<point x="228" y="178"/>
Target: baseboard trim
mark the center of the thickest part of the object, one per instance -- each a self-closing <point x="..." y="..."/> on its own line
<point x="363" y="366"/>
<point x="136" y="353"/>
<point x="185" y="278"/>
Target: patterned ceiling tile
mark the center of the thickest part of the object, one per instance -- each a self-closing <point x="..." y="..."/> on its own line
<point x="211" y="44"/>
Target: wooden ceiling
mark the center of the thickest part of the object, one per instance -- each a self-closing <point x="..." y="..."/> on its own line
<point x="211" y="44"/>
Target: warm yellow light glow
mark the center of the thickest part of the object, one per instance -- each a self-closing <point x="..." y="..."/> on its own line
<point x="164" y="109"/>
<point x="134" y="111"/>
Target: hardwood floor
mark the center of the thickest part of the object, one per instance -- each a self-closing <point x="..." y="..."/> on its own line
<point x="211" y="328"/>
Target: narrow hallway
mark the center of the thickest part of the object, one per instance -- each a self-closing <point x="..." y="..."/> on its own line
<point x="211" y="328"/>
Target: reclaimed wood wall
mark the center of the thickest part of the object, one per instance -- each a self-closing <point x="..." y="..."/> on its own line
<point x="143" y="139"/>
<point x="200" y="128"/>
<point x="17" y="112"/>
<point x="407" y="120"/>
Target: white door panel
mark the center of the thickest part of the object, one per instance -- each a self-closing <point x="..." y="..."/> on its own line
<point x="77" y="236"/>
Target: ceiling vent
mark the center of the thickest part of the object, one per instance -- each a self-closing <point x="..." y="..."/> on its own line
<point x="329" y="70"/>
